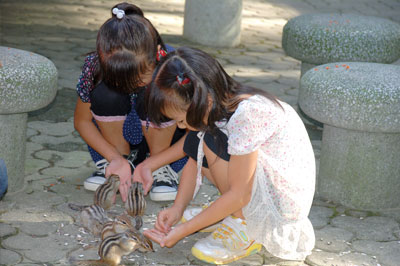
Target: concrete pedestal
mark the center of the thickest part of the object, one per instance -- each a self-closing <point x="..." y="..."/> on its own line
<point x="359" y="105"/>
<point x="359" y="169"/>
<point x="12" y="143"/>
<point x="213" y="22"/>
<point x="28" y="82"/>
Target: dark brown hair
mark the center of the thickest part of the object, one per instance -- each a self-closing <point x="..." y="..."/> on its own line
<point x="126" y="49"/>
<point x="207" y="79"/>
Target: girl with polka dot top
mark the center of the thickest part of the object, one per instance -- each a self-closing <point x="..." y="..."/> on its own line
<point x="110" y="110"/>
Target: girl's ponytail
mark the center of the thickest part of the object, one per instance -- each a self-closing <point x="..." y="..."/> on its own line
<point x="191" y="80"/>
<point x="127" y="45"/>
<point x="129" y="9"/>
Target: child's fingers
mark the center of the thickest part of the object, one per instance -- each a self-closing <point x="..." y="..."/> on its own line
<point x="123" y="189"/>
<point x="155" y="235"/>
<point x="147" y="186"/>
<point x="107" y="173"/>
<point x="162" y="227"/>
<point x="147" y="177"/>
<point x="159" y="225"/>
<point x="166" y="222"/>
<point x="128" y="185"/>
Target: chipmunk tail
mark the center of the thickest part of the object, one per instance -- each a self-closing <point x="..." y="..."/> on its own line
<point x="138" y="222"/>
<point x="76" y="207"/>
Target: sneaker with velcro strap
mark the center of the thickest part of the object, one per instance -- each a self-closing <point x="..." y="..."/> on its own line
<point x="229" y="242"/>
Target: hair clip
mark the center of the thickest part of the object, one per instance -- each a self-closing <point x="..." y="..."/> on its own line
<point x="119" y="13"/>
<point x="160" y="54"/>
<point x="181" y="80"/>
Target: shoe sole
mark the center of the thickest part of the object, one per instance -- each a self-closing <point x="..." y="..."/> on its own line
<point x="90" y="186"/>
<point x="253" y="249"/>
<point x="170" y="196"/>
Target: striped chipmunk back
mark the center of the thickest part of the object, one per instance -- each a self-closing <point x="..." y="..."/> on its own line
<point x="93" y="218"/>
<point x="135" y="205"/>
<point x="106" y="193"/>
<point x="120" y="224"/>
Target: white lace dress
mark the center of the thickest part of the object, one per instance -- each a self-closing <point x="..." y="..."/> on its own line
<point x="284" y="180"/>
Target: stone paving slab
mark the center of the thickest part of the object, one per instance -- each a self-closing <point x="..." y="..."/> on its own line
<point x="37" y="218"/>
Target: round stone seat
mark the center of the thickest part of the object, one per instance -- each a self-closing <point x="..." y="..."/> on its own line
<point x="359" y="105"/>
<point x="213" y="22"/>
<point x="317" y="39"/>
<point x="28" y="82"/>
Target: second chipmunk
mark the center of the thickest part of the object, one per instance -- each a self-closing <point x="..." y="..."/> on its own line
<point x="121" y="224"/>
<point x="135" y="205"/>
<point x="92" y="217"/>
<point x="113" y="247"/>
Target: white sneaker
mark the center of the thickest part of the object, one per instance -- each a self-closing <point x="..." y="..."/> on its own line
<point x="229" y="242"/>
<point x="165" y="185"/>
<point x="98" y="177"/>
<point x="188" y="214"/>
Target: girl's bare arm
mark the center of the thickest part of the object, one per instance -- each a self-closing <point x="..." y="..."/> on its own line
<point x="241" y="171"/>
<point x="172" y="215"/>
<point x="143" y="170"/>
<point x="186" y="185"/>
<point x="172" y="154"/>
<point x="90" y="134"/>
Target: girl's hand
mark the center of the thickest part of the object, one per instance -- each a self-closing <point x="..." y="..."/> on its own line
<point x="122" y="168"/>
<point x="167" y="218"/>
<point x="164" y="239"/>
<point x="143" y="174"/>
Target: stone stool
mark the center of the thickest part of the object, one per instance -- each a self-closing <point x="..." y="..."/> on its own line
<point x="213" y="22"/>
<point x="28" y="82"/>
<point x="359" y="105"/>
<point x="317" y="39"/>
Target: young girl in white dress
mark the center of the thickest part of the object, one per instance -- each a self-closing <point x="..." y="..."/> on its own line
<point x="251" y="146"/>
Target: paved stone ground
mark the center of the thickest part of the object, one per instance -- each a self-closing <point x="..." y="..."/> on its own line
<point x="36" y="226"/>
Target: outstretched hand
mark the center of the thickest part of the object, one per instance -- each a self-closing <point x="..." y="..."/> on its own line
<point x="143" y="175"/>
<point x="164" y="239"/>
<point x="163" y="233"/>
<point x="167" y="218"/>
<point x="122" y="168"/>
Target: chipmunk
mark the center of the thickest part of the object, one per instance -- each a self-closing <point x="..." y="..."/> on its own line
<point x="121" y="223"/>
<point x="113" y="247"/>
<point x="106" y="193"/>
<point x="92" y="217"/>
<point x="136" y="203"/>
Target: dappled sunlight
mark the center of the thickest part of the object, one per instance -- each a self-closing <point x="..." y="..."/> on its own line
<point x="57" y="161"/>
<point x="35" y="216"/>
<point x="271" y="9"/>
<point x="167" y="23"/>
<point x="258" y="22"/>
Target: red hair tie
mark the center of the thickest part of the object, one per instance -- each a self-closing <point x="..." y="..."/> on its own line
<point x="182" y="81"/>
<point x="160" y="54"/>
